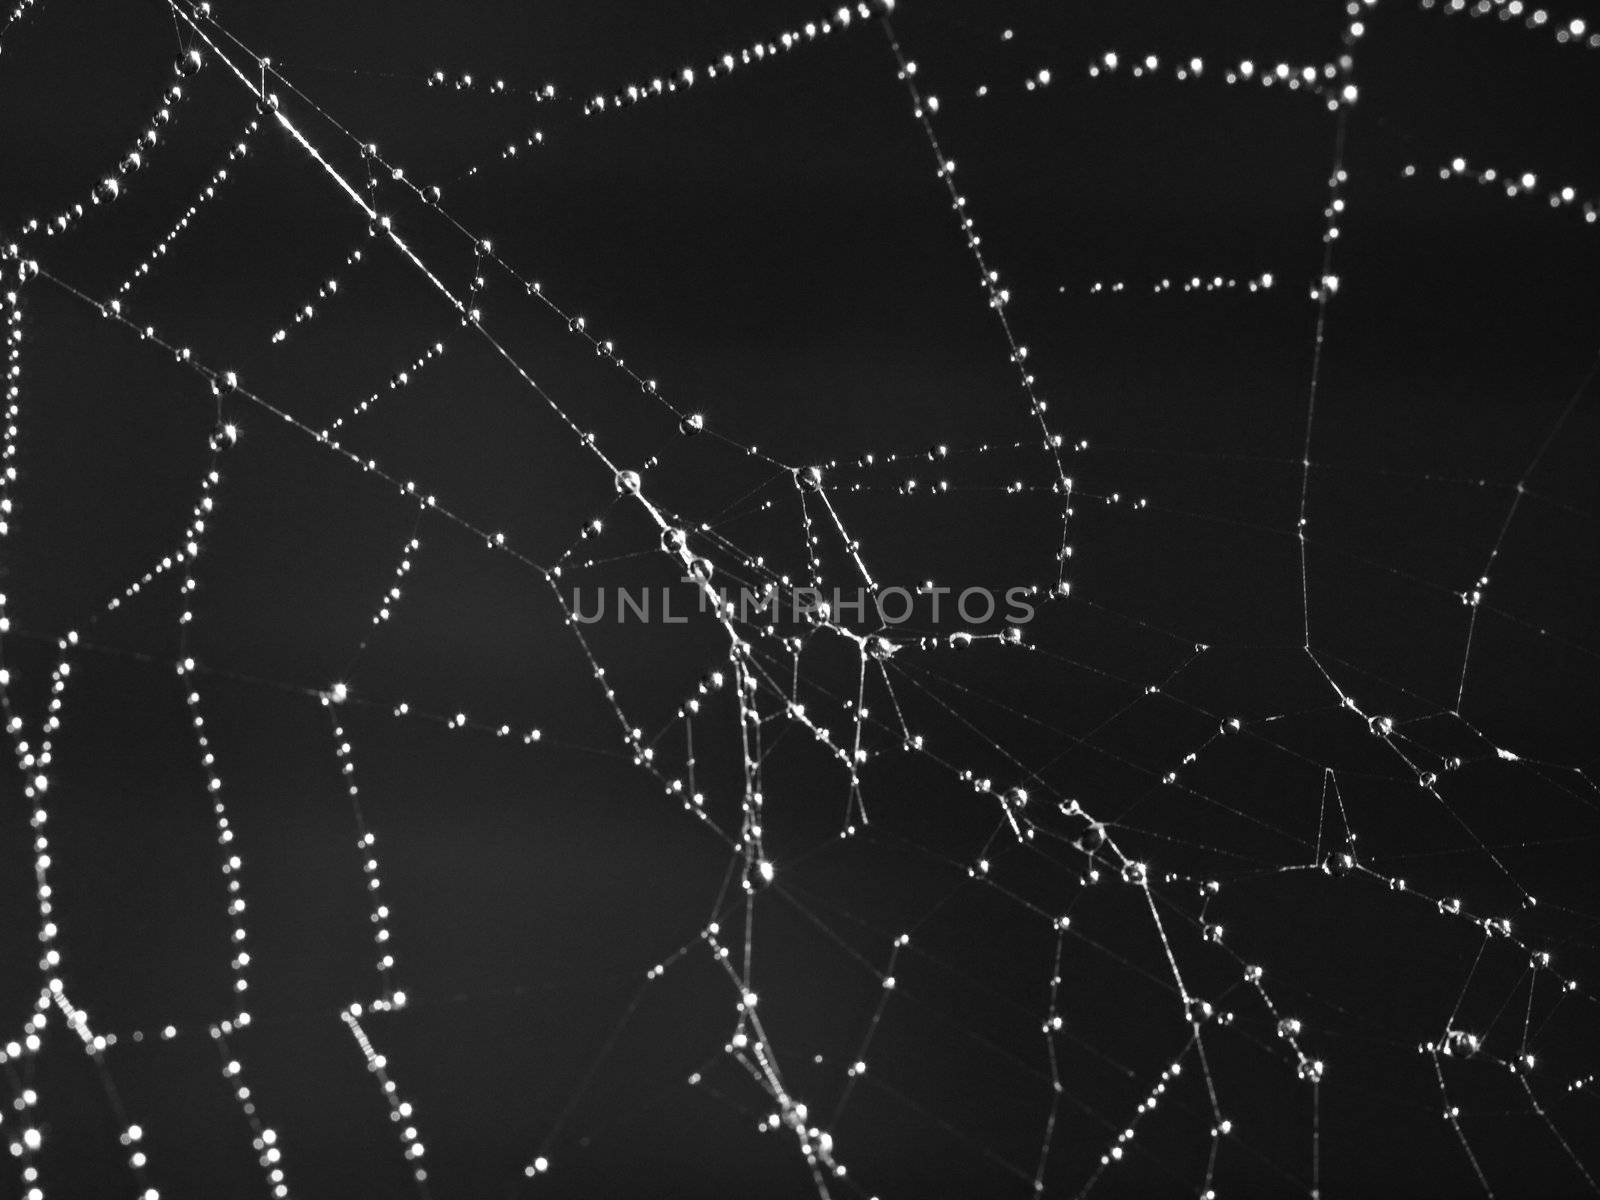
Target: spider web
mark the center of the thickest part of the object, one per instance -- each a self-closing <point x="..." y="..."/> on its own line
<point x="357" y="857"/>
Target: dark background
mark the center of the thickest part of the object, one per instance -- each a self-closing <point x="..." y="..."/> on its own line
<point x="775" y="249"/>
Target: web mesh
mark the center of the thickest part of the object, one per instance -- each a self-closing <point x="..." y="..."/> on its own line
<point x="1105" y="696"/>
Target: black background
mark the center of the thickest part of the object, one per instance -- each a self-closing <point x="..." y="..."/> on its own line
<point x="775" y="249"/>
